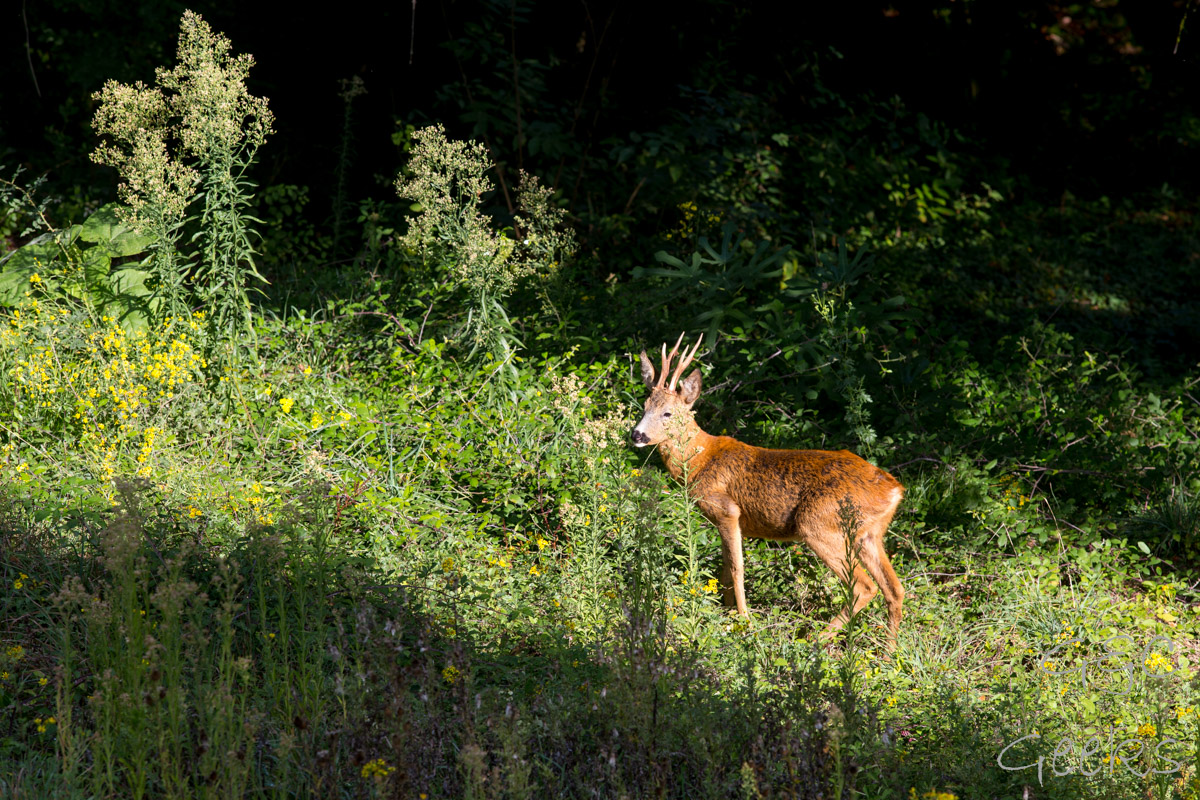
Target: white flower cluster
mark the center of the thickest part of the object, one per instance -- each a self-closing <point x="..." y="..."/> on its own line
<point x="200" y="113"/>
<point x="448" y="179"/>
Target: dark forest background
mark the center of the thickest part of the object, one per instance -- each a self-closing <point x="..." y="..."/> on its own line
<point x="1087" y="98"/>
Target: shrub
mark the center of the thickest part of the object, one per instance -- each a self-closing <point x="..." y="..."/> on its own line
<point x="459" y="245"/>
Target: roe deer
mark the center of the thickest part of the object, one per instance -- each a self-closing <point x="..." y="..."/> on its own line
<point x="785" y="495"/>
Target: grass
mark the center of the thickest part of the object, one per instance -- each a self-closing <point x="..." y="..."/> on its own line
<point x="491" y="601"/>
<point x="400" y="548"/>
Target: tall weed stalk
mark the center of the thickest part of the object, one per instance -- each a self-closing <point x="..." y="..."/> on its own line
<point x="351" y="88"/>
<point x="183" y="149"/>
<point x="846" y="739"/>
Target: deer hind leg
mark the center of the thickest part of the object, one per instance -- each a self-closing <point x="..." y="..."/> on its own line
<point x="831" y="548"/>
<point x="875" y="559"/>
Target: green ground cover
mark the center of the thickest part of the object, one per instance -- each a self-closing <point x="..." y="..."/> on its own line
<point x="375" y="529"/>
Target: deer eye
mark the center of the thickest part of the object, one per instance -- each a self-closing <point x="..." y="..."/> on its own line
<point x="666" y="413"/>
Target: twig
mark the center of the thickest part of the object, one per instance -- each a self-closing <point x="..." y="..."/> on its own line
<point x="636" y="189"/>
<point x="950" y="467"/>
<point x="399" y="323"/>
<point x="29" y="51"/>
<point x="1183" y="21"/>
<point x="412" y="33"/>
<point x="587" y="82"/>
<point x="516" y="66"/>
<point x="421" y="333"/>
<point x="1057" y="470"/>
<point x="739" y="384"/>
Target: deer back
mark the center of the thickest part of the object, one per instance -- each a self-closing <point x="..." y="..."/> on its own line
<point x="774" y="489"/>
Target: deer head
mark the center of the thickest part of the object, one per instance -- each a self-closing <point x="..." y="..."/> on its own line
<point x="666" y="407"/>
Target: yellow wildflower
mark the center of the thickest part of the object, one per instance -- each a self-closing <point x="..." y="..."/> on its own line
<point x="1157" y="662"/>
<point x="377" y="768"/>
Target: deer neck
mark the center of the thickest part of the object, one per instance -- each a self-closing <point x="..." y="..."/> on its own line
<point x="686" y="451"/>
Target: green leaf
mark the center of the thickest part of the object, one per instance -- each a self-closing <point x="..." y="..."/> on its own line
<point x="13" y="286"/>
<point x="129" y="243"/>
<point x="666" y="258"/>
<point x="96" y="264"/>
<point x="37" y="255"/>
<point x="99" y="226"/>
<point x="105" y="229"/>
<point x="130" y="281"/>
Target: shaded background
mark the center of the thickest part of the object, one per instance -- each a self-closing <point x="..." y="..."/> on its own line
<point x="1009" y="163"/>
<point x="1080" y="97"/>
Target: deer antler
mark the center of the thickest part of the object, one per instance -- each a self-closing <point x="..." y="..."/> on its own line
<point x="666" y="363"/>
<point x="684" y="362"/>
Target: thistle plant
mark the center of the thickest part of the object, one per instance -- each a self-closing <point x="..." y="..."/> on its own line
<point x="189" y="140"/>
<point x="448" y="180"/>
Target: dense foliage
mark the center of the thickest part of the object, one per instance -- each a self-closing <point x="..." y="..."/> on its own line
<point x="374" y="530"/>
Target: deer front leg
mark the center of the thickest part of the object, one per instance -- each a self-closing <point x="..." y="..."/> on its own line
<point x="733" y="578"/>
<point x="725" y="515"/>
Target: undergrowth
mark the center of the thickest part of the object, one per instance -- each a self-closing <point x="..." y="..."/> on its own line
<point x="398" y="546"/>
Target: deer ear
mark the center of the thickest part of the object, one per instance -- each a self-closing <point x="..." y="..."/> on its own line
<point x="647" y="371"/>
<point x="690" y="388"/>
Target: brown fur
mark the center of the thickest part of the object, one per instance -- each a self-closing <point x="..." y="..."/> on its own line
<point x="784" y="495"/>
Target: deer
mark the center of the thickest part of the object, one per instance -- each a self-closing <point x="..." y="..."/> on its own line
<point x="782" y="495"/>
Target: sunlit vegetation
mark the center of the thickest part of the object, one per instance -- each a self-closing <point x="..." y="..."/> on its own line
<point x="376" y="531"/>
